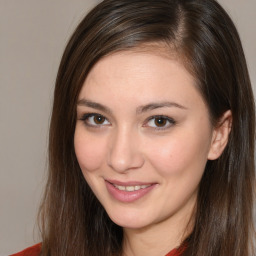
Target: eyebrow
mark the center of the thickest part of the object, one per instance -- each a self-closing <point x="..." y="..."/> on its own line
<point x="139" y="110"/>
<point x="92" y="104"/>
<point x="152" y="106"/>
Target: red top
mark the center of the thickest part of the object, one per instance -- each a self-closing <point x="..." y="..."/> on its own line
<point x="35" y="251"/>
<point x="31" y="251"/>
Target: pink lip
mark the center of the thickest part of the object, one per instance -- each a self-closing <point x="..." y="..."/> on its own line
<point x="129" y="183"/>
<point x="128" y="196"/>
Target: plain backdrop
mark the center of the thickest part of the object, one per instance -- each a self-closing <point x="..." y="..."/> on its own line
<point x="33" y="34"/>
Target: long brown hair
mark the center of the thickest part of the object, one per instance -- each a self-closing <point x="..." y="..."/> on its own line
<point x="206" y="40"/>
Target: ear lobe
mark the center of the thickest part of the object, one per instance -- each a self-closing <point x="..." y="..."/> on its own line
<point x="220" y="136"/>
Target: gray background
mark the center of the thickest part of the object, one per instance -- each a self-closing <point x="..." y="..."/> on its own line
<point x="33" y="34"/>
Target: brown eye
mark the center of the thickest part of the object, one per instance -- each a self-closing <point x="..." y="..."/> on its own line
<point x="160" y="121"/>
<point x="99" y="119"/>
<point x="95" y="120"/>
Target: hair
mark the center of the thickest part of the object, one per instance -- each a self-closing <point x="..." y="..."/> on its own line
<point x="205" y="39"/>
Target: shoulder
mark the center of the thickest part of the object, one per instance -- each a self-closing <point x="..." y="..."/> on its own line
<point x="31" y="251"/>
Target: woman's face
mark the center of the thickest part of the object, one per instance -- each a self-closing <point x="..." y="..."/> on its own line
<point x="142" y="137"/>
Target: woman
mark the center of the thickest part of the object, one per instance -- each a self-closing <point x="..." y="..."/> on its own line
<point x="152" y="135"/>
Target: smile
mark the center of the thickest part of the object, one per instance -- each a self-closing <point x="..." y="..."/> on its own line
<point x="130" y="188"/>
<point x="128" y="192"/>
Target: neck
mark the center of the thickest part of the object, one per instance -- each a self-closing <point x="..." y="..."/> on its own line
<point x="159" y="238"/>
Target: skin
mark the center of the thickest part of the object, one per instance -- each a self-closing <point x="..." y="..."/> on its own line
<point x="126" y="144"/>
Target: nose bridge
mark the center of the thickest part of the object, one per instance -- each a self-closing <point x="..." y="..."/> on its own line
<point x="124" y="151"/>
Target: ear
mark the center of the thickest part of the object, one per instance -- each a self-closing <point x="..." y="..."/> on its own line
<point x="220" y="136"/>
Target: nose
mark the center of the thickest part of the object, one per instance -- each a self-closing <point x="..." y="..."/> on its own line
<point x="124" y="151"/>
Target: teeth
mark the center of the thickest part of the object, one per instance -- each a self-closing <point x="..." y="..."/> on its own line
<point x="130" y="188"/>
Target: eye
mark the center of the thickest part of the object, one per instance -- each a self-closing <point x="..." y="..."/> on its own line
<point x="160" y="122"/>
<point x="94" y="119"/>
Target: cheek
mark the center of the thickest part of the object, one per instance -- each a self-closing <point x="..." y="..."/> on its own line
<point x="89" y="152"/>
<point x="181" y="155"/>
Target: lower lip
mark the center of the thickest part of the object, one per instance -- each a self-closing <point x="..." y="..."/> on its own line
<point x="128" y="196"/>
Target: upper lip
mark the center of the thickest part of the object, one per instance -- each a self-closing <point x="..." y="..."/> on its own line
<point x="129" y="183"/>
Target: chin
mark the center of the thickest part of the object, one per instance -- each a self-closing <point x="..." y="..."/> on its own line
<point x="129" y="224"/>
<point x="129" y="220"/>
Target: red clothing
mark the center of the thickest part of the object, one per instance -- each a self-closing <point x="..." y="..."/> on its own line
<point x="173" y="252"/>
<point x="31" y="251"/>
<point x="176" y="252"/>
<point x="35" y="251"/>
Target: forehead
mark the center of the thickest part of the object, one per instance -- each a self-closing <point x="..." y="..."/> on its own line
<point x="138" y="77"/>
<point x="160" y="50"/>
<point x="137" y="62"/>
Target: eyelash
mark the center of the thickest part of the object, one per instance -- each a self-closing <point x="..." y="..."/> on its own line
<point x="168" y="122"/>
<point x="86" y="117"/>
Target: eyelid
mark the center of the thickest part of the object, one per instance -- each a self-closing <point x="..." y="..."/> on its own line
<point x="86" y="116"/>
<point x="170" y="121"/>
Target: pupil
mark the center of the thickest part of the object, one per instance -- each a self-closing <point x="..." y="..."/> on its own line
<point x="99" y="119"/>
<point x="160" y="121"/>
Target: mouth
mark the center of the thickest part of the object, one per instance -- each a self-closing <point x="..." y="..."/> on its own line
<point x="131" y="188"/>
<point x="129" y="191"/>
